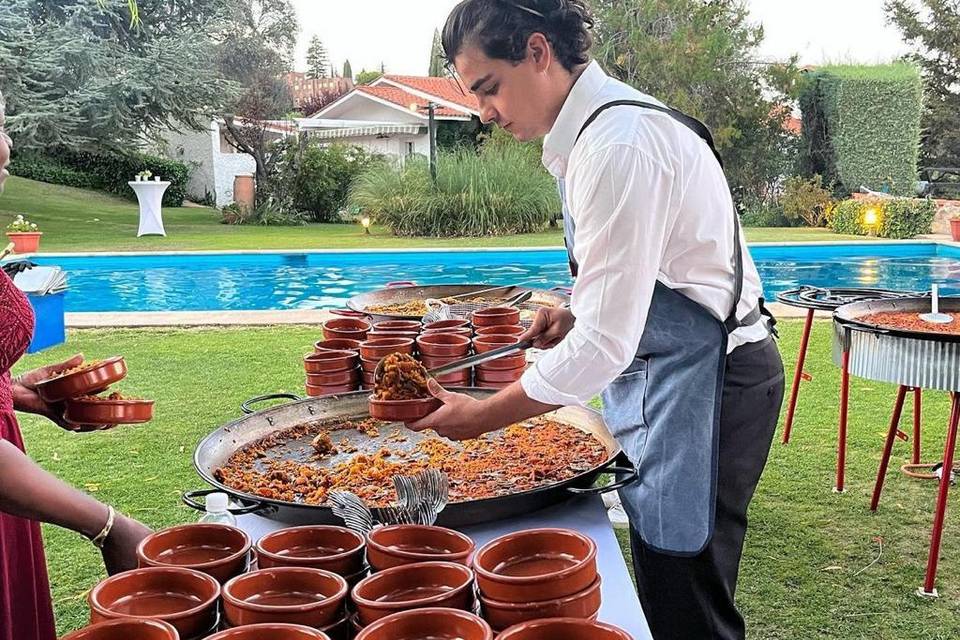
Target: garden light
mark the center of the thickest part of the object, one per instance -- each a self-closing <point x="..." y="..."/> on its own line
<point x="870" y="217"/>
<point x="365" y="221"/>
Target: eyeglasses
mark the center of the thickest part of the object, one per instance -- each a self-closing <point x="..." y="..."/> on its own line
<point x="452" y="74"/>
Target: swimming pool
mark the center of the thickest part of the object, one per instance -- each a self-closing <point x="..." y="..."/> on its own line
<point x="315" y="280"/>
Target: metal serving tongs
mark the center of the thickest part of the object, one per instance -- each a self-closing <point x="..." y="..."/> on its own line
<point x="465" y="363"/>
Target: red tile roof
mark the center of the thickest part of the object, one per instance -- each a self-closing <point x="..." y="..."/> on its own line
<point x="404" y="99"/>
<point x="446" y="89"/>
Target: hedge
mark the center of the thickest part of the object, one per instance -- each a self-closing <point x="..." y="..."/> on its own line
<point x="104" y="171"/>
<point x="861" y="127"/>
<point x="897" y="218"/>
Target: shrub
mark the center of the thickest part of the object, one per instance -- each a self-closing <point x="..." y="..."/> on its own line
<point x="897" y="218"/>
<point x="104" y="171"/>
<point x="763" y="214"/>
<point x="861" y="127"/>
<point x="320" y="179"/>
<point x="493" y="192"/>
<point x="806" y="200"/>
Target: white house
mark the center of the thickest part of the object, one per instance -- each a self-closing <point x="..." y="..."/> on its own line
<point x="390" y="116"/>
<point x="213" y="162"/>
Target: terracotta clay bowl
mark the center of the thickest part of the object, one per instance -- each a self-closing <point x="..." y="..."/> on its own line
<point x="463" y="331"/>
<point x="367" y="377"/>
<point x="330" y="548"/>
<point x="446" y="326"/>
<point x="337" y="344"/>
<point x="403" y="410"/>
<point x="482" y="344"/>
<point x="294" y="595"/>
<point x="217" y="550"/>
<point x="536" y="565"/>
<point x="518" y="361"/>
<point x="349" y="328"/>
<point x="89" y="379"/>
<point x="495" y="316"/>
<point x="126" y="629"/>
<point x="101" y="410"/>
<point x="501" y="330"/>
<point x="564" y="629"/>
<point x="428" y="624"/>
<point x="507" y="375"/>
<point x="443" y="344"/>
<point x="402" y="544"/>
<point x="330" y="361"/>
<point x="584" y="604"/>
<point x="456" y="379"/>
<point x="334" y="379"/>
<point x="398" y="325"/>
<point x="431" y="362"/>
<point x="269" y="632"/>
<point x="382" y="335"/>
<point x="413" y="586"/>
<point x="382" y="347"/>
<point x="184" y="598"/>
<point x="317" y="391"/>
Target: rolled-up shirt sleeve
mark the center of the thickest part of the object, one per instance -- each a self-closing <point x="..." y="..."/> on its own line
<point x="623" y="202"/>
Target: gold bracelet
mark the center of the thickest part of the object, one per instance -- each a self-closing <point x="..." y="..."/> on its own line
<point x="101" y="538"/>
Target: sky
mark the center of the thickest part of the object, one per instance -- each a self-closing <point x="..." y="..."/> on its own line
<point x="399" y="32"/>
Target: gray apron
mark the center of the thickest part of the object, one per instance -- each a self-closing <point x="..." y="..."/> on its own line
<point x="664" y="409"/>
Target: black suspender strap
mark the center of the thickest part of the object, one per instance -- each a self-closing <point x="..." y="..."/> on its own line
<point x="731" y="323"/>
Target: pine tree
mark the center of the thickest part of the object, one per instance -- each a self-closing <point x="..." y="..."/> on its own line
<point x="436" y="56"/>
<point x="347" y="70"/>
<point x="317" y="62"/>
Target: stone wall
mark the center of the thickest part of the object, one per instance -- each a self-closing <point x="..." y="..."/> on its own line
<point x="946" y="209"/>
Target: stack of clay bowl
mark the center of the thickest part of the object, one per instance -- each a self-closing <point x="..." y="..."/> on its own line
<point x="564" y="629"/>
<point x="334" y="367"/>
<point x="498" y="327"/>
<point x="373" y="350"/>
<point x="84" y="410"/>
<point x="414" y="567"/>
<point x="335" y="549"/>
<point x="442" y="624"/>
<point x="396" y="329"/>
<point x="440" y="348"/>
<point x="537" y="574"/>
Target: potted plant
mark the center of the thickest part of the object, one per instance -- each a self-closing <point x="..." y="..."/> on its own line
<point x="144" y="175"/>
<point x="955" y="228"/>
<point x="24" y="235"/>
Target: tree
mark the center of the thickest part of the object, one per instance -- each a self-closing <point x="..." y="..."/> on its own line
<point x="83" y="75"/>
<point x="366" y="77"/>
<point x="932" y="27"/>
<point x="317" y="61"/>
<point x="436" y="56"/>
<point x="316" y="102"/>
<point x="347" y="70"/>
<point x="700" y="56"/>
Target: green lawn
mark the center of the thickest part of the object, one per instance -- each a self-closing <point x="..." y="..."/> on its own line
<point x="807" y="569"/>
<point x="79" y="220"/>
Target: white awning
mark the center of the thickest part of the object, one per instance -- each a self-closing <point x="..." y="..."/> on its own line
<point x="358" y="132"/>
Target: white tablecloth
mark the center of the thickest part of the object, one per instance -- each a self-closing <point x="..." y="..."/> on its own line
<point x="150" y="197"/>
<point x="586" y="515"/>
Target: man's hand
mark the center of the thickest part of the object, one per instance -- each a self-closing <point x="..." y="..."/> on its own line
<point x="460" y="417"/>
<point x="25" y="397"/>
<point x="549" y="327"/>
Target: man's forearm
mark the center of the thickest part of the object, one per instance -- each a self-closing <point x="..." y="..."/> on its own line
<point x="512" y="405"/>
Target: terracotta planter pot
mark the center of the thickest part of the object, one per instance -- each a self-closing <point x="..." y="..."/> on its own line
<point x="269" y="632"/>
<point x="402" y="544"/>
<point x="955" y="229"/>
<point x="184" y="598"/>
<point x="495" y="316"/>
<point x="330" y="361"/>
<point x="139" y="628"/>
<point x="413" y="586"/>
<point x="348" y="328"/>
<point x="443" y="344"/>
<point x="437" y="624"/>
<point x="382" y="347"/>
<point x="584" y="604"/>
<point x="293" y="595"/>
<point x="564" y="629"/>
<point x="217" y="550"/>
<point x="338" y="344"/>
<point x="335" y="549"/>
<point x="92" y="378"/>
<point x="536" y="565"/>
<point x="25" y="241"/>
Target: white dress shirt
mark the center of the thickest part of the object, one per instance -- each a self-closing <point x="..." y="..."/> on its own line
<point x="648" y="202"/>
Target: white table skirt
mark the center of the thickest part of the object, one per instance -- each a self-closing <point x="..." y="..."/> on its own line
<point x="586" y="515"/>
<point x="150" y="197"/>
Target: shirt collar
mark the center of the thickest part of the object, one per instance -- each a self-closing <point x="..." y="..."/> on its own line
<point x="558" y="144"/>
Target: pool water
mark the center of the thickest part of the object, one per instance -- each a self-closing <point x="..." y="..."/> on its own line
<point x="210" y="282"/>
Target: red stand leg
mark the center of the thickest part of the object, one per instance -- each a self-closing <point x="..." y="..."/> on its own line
<point x="941" y="510"/>
<point x="797" y="377"/>
<point x="917" y="412"/>
<point x="842" y="435"/>
<point x="888" y="446"/>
